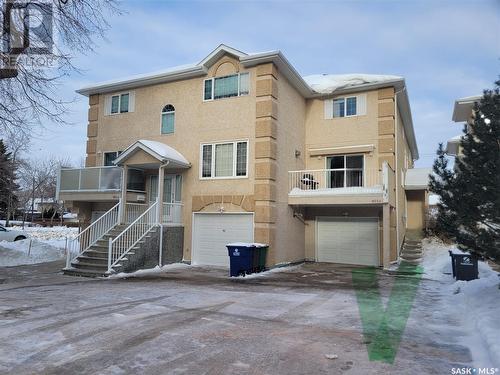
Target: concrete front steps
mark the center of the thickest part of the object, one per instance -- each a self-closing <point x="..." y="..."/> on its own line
<point x="412" y="251"/>
<point x="93" y="262"/>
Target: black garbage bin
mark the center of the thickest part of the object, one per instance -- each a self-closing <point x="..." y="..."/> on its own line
<point x="241" y="258"/>
<point x="464" y="266"/>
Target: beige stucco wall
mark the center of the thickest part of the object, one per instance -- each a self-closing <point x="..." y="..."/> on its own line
<point x="290" y="137"/>
<point x="196" y="122"/>
<point x="416" y="201"/>
<point x="341" y="132"/>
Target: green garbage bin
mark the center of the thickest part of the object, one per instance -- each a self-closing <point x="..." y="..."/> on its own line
<point x="262" y="250"/>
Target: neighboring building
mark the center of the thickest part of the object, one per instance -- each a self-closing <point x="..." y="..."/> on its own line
<point x="463" y="111"/>
<point x="242" y="148"/>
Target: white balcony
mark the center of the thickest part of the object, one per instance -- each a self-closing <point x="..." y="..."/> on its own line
<point x="336" y="186"/>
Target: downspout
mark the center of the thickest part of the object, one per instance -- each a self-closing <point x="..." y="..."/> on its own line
<point x="159" y="207"/>
<point x="396" y="165"/>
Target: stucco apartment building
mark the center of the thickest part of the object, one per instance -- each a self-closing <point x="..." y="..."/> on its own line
<point x="463" y="112"/>
<point x="242" y="148"/>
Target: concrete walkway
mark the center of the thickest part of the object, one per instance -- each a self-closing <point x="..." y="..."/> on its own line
<point x="198" y="321"/>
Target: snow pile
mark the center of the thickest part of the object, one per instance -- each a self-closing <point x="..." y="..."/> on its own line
<point x="269" y="272"/>
<point x="476" y="303"/>
<point x="151" y="271"/>
<point x="328" y="83"/>
<point x="19" y="252"/>
<point x="46" y="234"/>
<point x="247" y="244"/>
<point x="47" y="244"/>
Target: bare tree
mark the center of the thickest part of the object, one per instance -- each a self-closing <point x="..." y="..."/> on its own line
<point x="17" y="145"/>
<point x="38" y="179"/>
<point x="28" y="89"/>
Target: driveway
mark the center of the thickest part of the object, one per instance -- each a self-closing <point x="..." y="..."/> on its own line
<point x="198" y="321"/>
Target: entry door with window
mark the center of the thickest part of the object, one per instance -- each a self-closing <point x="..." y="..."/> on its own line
<point x="172" y="188"/>
<point x="345" y="171"/>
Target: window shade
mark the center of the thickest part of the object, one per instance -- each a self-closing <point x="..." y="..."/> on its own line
<point x="224" y="160"/>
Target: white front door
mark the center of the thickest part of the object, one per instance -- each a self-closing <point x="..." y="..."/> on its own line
<point x="347" y="240"/>
<point x="212" y="232"/>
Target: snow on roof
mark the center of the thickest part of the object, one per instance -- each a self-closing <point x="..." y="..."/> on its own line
<point x="139" y="77"/>
<point x="159" y="150"/>
<point x="328" y="83"/>
<point x="417" y="178"/>
<point x="165" y="151"/>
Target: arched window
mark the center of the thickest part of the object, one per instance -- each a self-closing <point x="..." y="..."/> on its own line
<point x="167" y="119"/>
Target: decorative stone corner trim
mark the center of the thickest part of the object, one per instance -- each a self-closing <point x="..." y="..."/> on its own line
<point x="246" y="202"/>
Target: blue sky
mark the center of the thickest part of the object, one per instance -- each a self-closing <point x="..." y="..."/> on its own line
<point x="444" y="49"/>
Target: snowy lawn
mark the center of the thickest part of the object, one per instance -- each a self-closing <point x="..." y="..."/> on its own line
<point x="476" y="303"/>
<point x="47" y="244"/>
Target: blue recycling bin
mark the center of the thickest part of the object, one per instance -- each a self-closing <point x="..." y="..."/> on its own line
<point x="241" y="258"/>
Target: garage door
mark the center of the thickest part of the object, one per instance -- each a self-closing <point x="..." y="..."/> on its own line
<point x="211" y="233"/>
<point x="348" y="240"/>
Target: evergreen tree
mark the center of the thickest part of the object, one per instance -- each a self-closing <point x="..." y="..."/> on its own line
<point x="7" y="177"/>
<point x="469" y="211"/>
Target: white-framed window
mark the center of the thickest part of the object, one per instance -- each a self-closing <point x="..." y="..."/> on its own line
<point x="119" y="103"/>
<point x="224" y="160"/>
<point x="168" y="119"/>
<point x="109" y="157"/>
<point x="345" y="170"/>
<point x="347" y="106"/>
<point x="226" y="87"/>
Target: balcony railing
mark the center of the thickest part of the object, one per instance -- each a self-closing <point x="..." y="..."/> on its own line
<point x="172" y="213"/>
<point x="335" y="180"/>
<point x="90" y="179"/>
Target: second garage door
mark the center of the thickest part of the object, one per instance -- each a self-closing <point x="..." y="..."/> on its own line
<point x="347" y="240"/>
<point x="211" y="233"/>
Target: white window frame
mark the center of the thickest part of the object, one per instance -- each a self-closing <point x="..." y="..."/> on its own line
<point x="108" y="152"/>
<point x="231" y="97"/>
<point x="345" y="169"/>
<point x="345" y="106"/>
<point x="119" y="94"/>
<point x="212" y="167"/>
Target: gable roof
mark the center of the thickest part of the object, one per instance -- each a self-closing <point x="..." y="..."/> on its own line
<point x="357" y="83"/>
<point x="160" y="151"/>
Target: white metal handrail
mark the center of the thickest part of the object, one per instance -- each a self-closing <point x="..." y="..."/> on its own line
<point x="134" y="210"/>
<point x="92" y="234"/>
<point x="316" y="179"/>
<point x="172" y="213"/>
<point x="126" y="240"/>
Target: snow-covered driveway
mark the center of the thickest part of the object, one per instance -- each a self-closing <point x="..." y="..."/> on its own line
<point x="193" y="320"/>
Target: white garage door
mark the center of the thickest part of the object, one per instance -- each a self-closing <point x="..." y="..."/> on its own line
<point x="211" y="233"/>
<point x="347" y="240"/>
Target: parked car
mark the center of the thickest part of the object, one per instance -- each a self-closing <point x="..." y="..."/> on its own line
<point x="12" y="235"/>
